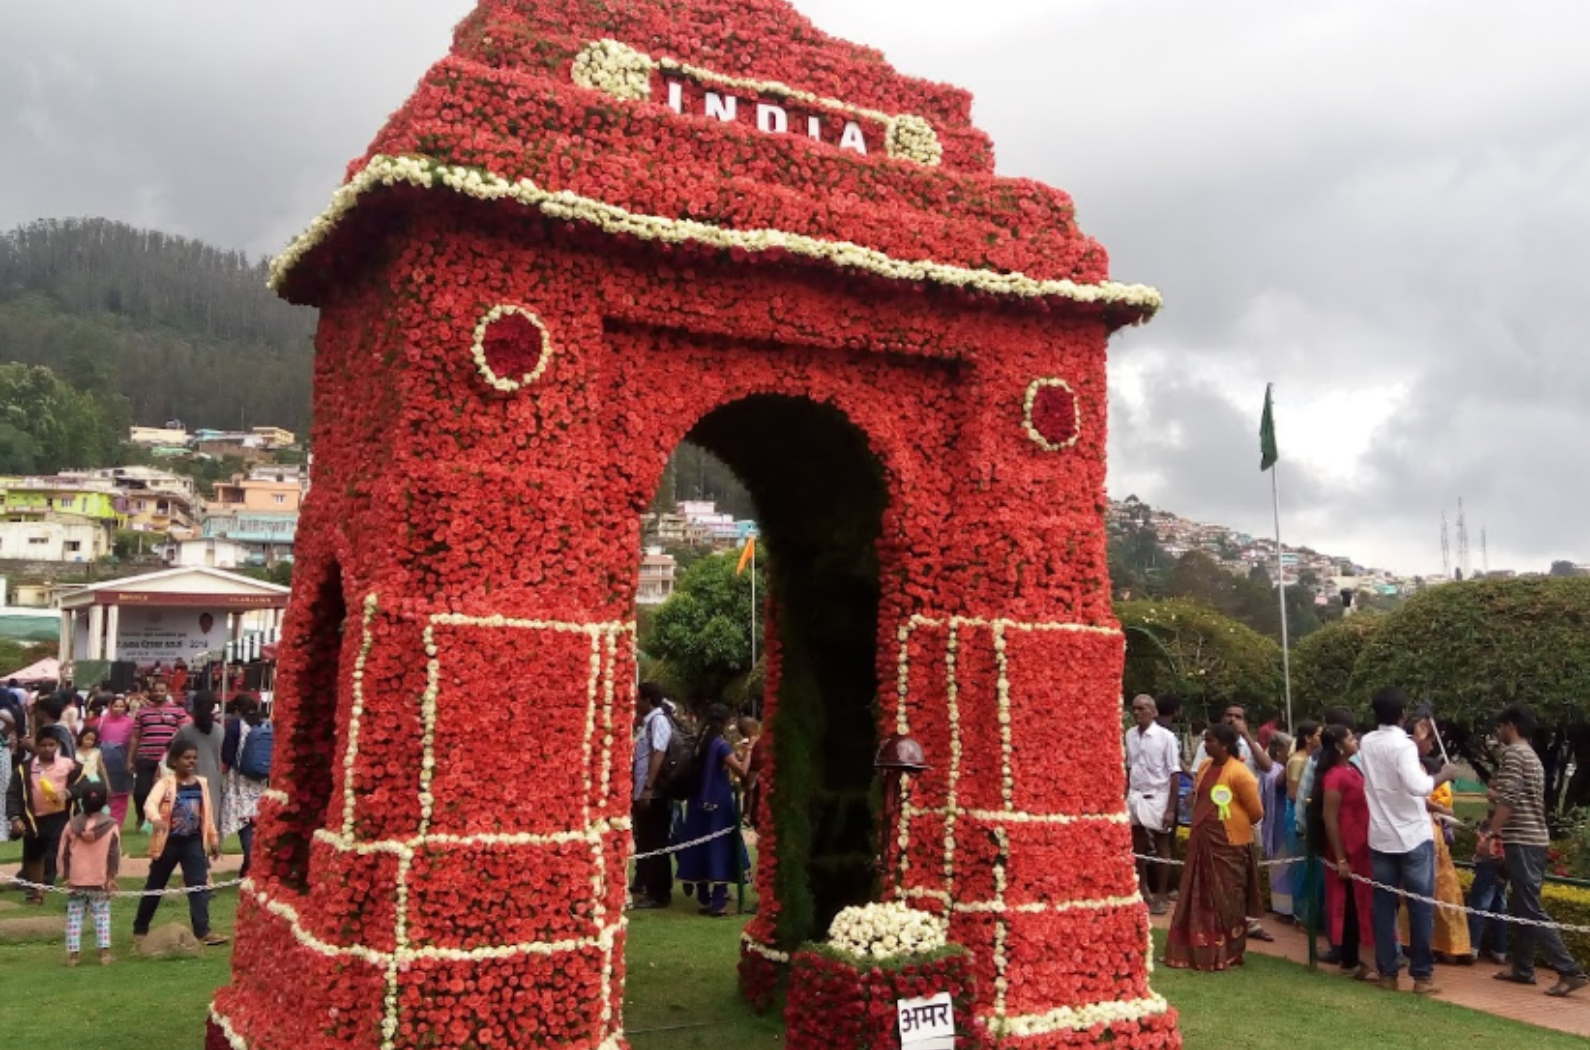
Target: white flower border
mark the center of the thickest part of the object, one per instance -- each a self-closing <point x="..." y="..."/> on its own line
<point x="384" y="171"/>
<point x="1001" y="1023"/>
<point x="478" y="348"/>
<point x="1039" y="385"/>
<point x="600" y="692"/>
<point x="624" y="73"/>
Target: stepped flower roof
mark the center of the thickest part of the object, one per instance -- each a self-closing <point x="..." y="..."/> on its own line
<point x="734" y="127"/>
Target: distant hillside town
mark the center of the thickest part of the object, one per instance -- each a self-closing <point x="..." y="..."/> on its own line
<point x="222" y="500"/>
<point x="694" y="526"/>
<point x="1327" y="575"/>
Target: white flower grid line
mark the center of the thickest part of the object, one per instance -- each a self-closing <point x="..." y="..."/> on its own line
<point x="1026" y="1025"/>
<point x="384" y="171"/>
<point x="599" y="714"/>
<point x="624" y="73"/>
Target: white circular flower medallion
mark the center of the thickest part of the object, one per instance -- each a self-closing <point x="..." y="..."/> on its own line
<point x="1052" y="415"/>
<point x="512" y="348"/>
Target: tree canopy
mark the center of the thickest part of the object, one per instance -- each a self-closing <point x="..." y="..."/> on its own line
<point x="1183" y="648"/>
<point x="1322" y="663"/>
<point x="48" y="425"/>
<point x="702" y="634"/>
<point x="1469" y="649"/>
<point x="180" y="329"/>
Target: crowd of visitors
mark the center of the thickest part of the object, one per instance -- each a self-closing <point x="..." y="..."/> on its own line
<point x="1356" y="832"/>
<point x="72" y="762"/>
<point x="693" y="787"/>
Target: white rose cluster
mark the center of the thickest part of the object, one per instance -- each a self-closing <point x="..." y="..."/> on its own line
<point x="912" y="138"/>
<point x="884" y="931"/>
<point x="615" y="69"/>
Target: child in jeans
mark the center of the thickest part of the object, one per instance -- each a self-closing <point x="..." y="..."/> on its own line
<point x="36" y="805"/>
<point x="1489" y="893"/>
<point x="90" y="856"/>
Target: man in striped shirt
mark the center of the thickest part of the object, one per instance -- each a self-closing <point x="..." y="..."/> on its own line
<point x="1519" y="790"/>
<point x="154" y="726"/>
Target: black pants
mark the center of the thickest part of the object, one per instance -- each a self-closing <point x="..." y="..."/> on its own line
<point x="652" y="823"/>
<point x="186" y="852"/>
<point x="1526" y="871"/>
<point x="40" y="851"/>
<point x="145" y="772"/>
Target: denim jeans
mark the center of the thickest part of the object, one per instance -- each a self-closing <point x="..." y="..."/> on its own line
<point x="186" y="851"/>
<point x="1526" y="870"/>
<point x="1414" y="872"/>
<point x="1489" y="893"/>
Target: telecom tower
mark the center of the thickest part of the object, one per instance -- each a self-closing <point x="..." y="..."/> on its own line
<point x="1485" y="552"/>
<point x="1463" y="542"/>
<point x="1446" y="549"/>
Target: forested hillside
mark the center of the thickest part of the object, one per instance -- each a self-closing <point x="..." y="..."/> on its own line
<point x="180" y="329"/>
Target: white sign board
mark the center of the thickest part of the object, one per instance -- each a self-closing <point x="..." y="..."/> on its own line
<point x="150" y="635"/>
<point x="927" y="1024"/>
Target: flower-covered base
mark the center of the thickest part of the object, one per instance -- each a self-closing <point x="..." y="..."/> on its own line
<point x="834" y="1004"/>
<point x="759" y="978"/>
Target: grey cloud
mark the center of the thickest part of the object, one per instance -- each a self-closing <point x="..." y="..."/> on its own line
<point x="1347" y="198"/>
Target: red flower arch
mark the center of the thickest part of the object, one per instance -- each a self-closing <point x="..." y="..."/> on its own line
<point x="629" y="272"/>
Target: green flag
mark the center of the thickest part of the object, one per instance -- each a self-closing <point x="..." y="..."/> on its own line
<point x="1267" y="452"/>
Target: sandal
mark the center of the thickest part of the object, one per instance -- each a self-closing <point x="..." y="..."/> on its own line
<point x="1509" y="977"/>
<point x="1567" y="985"/>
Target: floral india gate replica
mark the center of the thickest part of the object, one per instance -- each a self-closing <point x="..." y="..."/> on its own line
<point x="598" y="229"/>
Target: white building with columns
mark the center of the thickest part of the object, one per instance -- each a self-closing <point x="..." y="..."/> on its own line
<point x="166" y="616"/>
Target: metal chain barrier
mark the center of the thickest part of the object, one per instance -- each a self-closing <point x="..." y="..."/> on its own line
<point x="179" y="891"/>
<point x="182" y="891"/>
<point x="686" y="845"/>
<point x="1493" y="916"/>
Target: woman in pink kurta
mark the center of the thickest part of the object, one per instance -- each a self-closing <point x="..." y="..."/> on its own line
<point x="1339" y="821"/>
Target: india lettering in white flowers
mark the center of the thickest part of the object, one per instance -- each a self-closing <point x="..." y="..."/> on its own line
<point x="771" y="119"/>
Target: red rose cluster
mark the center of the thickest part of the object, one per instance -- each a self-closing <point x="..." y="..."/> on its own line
<point x="502" y="371"/>
<point x="836" y="1003"/>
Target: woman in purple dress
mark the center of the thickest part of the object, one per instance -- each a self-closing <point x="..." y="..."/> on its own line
<point x="708" y="868"/>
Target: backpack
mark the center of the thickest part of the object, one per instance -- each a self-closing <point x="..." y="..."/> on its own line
<point x="255" y="761"/>
<point x="679" y="780"/>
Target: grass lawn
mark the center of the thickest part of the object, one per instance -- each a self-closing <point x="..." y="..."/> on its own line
<point x="682" y="996"/>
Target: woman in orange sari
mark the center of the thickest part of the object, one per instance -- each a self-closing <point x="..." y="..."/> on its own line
<point x="1450" y="942"/>
<point x="1220" y="882"/>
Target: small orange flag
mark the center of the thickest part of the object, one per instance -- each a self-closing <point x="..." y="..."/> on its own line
<point x="746" y="556"/>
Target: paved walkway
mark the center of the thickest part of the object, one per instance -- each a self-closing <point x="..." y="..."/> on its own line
<point x="1468" y="986"/>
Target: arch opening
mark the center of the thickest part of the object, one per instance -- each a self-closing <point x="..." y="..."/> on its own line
<point x="819" y="494"/>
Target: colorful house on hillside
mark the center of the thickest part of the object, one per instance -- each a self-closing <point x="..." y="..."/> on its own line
<point x="64" y="519"/>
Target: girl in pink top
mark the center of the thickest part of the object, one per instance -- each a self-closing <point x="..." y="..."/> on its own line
<point x="89" y="858"/>
<point x="115" y="733"/>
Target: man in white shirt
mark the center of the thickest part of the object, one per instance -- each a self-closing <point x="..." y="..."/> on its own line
<point x="1401" y="841"/>
<point x="1153" y="767"/>
<point x="651" y="817"/>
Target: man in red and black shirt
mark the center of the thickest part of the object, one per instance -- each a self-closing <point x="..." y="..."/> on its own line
<point x="154" y="726"/>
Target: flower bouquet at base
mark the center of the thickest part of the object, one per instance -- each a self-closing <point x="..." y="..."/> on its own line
<point x="843" y="994"/>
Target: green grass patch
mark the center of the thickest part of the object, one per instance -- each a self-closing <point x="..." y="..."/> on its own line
<point x="682" y="995"/>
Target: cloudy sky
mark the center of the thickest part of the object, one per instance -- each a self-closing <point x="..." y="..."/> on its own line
<point x="1384" y="208"/>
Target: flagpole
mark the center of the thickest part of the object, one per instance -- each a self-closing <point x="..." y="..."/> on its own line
<point x="1280" y="565"/>
<point x="753" y="604"/>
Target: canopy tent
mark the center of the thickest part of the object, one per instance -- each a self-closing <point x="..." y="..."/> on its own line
<point x="46" y="670"/>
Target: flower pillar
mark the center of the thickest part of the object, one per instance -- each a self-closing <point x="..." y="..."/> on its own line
<point x="1016" y="834"/>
